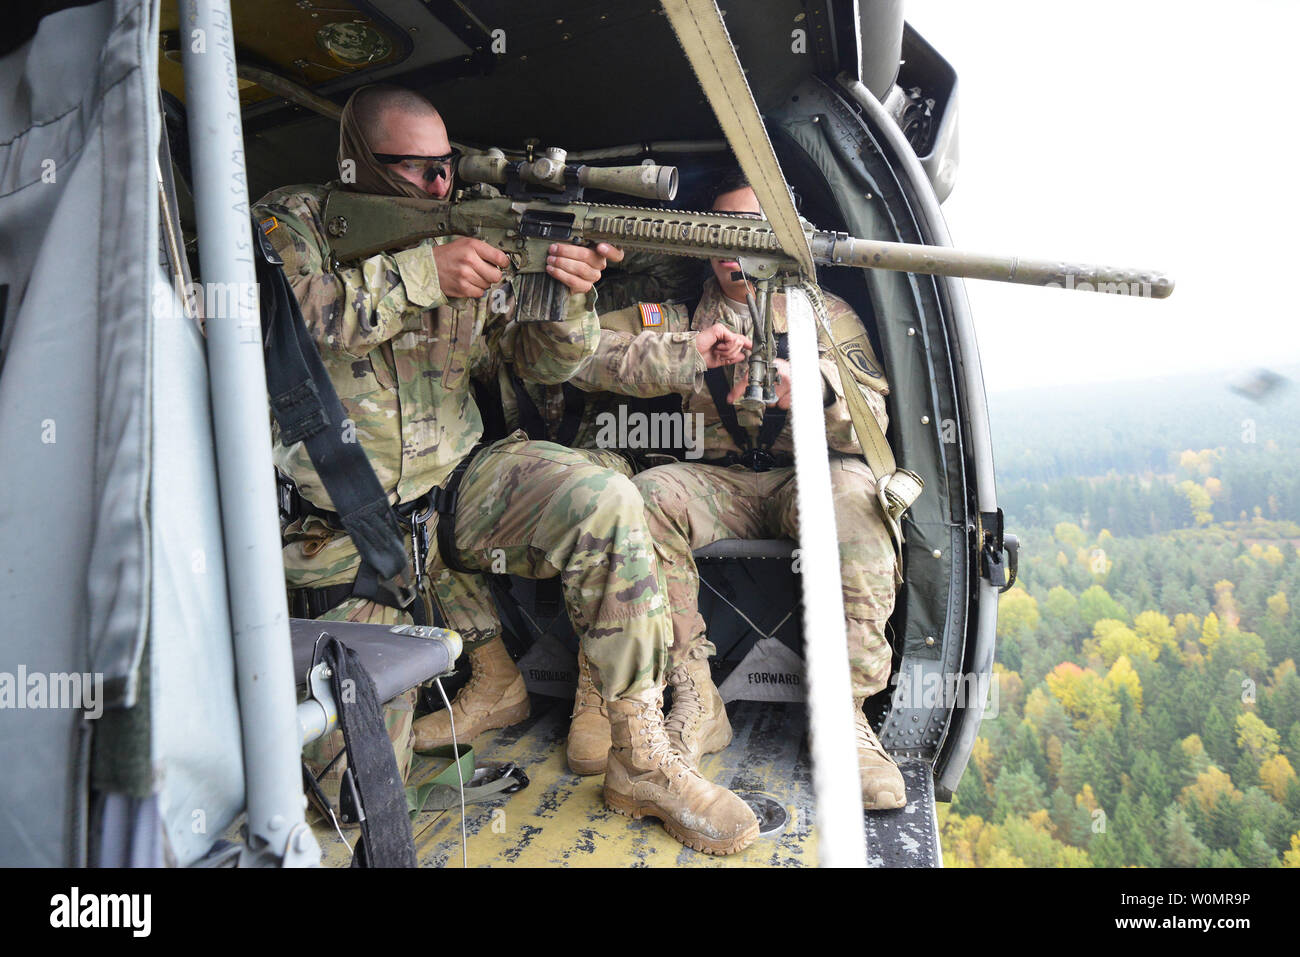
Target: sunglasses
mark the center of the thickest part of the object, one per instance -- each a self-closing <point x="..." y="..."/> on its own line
<point x="430" y="167"/>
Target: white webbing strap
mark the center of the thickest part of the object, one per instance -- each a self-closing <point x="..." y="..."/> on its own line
<point x="841" y="838"/>
<point x="703" y="36"/>
<point x="896" y="488"/>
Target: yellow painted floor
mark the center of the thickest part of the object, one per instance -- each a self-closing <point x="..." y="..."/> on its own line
<point x="559" y="820"/>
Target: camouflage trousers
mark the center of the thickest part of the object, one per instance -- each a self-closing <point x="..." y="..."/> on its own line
<point x="532" y="509"/>
<point x="689" y="506"/>
<point x="466" y="601"/>
<point x="537" y="510"/>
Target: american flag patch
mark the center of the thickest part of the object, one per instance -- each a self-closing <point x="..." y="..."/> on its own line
<point x="651" y="315"/>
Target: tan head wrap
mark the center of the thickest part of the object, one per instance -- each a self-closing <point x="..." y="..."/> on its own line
<point x="368" y="175"/>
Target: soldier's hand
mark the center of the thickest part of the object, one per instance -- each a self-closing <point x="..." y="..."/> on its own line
<point x="467" y="267"/>
<point x="782" y="369"/>
<point x="721" y="346"/>
<point x="578" y="267"/>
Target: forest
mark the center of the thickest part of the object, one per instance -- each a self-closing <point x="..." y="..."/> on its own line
<point x="1148" y="703"/>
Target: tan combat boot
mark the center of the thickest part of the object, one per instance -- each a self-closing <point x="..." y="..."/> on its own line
<point x="697" y="724"/>
<point x="588" y="745"/>
<point x="882" y="781"/>
<point x="495" y="697"/>
<point x="645" y="776"/>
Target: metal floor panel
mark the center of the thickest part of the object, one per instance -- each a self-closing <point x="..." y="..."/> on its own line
<point x="560" y="820"/>
<point x="908" y="837"/>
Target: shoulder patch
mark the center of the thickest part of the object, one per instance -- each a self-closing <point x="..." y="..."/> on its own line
<point x="651" y="315"/>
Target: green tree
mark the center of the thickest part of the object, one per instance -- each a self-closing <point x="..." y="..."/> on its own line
<point x="1253" y="851"/>
<point x="1181" y="847"/>
<point x="1095" y="604"/>
<point x="1017" y="791"/>
<point x="1218" y="737"/>
<point x="1061" y="612"/>
<point x="1072" y="824"/>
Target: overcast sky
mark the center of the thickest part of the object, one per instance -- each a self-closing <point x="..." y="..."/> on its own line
<point x="1149" y="133"/>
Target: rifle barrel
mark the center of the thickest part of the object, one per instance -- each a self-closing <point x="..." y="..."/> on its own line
<point x="840" y="250"/>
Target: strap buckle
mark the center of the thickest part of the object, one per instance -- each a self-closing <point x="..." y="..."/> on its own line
<point x="287" y="498"/>
<point x="445" y="497"/>
<point x="758" y="460"/>
<point x="404" y="592"/>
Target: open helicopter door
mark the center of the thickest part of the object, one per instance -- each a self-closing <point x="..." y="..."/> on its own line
<point x="113" y="592"/>
<point x="125" y="677"/>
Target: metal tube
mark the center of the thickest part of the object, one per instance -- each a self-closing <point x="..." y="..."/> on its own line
<point x="946" y="261"/>
<point x="259" y="614"/>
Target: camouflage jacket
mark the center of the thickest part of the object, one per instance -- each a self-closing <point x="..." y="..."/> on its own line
<point x="625" y="364"/>
<point x="648" y="350"/>
<point x="399" y="352"/>
<point x="663" y="361"/>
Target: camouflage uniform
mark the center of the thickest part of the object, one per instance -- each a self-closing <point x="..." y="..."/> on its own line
<point x="643" y="366"/>
<point x="399" y="354"/>
<point x="690" y="505"/>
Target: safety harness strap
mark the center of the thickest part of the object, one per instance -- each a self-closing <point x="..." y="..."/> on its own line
<point x="445" y="499"/>
<point x="308" y="410"/>
<point x="534" y="423"/>
<point x="896" y="488"/>
<point x="774" y="419"/>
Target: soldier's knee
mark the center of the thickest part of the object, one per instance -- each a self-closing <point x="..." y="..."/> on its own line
<point x="620" y="497"/>
<point x="646" y="486"/>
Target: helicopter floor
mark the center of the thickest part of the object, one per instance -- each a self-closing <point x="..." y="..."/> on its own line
<point x="561" y="820"/>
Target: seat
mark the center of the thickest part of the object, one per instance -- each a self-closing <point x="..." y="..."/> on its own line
<point x="397" y="658"/>
<point x="728" y="548"/>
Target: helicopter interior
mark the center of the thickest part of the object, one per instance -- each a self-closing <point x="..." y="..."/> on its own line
<point x="750" y="594"/>
<point x="611" y="85"/>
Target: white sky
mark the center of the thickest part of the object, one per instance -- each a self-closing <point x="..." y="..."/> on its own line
<point x="1157" y="133"/>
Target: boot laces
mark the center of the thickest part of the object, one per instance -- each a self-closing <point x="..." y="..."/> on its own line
<point x="688" y="706"/>
<point x="658" y="747"/>
<point x="588" y="696"/>
<point x="866" y="738"/>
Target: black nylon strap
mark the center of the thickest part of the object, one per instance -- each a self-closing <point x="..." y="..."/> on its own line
<point x="490" y="410"/>
<point x="774" y="419"/>
<point x="716" y="380"/>
<point x="445" y="499"/>
<point x="308" y="410"/>
<point x="530" y="417"/>
<point x="575" y="402"/>
<point x="386" y="839"/>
